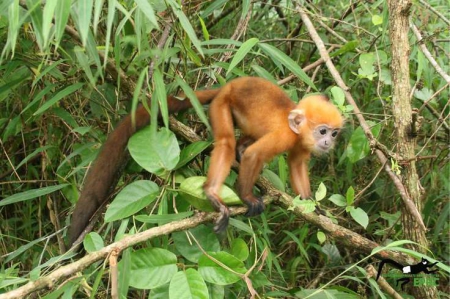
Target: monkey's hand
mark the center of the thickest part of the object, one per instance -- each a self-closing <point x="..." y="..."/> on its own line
<point x="255" y="206"/>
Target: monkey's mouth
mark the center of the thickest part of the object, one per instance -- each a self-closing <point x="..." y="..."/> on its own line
<point x="321" y="149"/>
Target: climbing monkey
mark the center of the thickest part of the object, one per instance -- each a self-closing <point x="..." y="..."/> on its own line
<point x="270" y="124"/>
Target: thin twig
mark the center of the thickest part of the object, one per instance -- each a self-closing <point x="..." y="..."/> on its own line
<point x="427" y="5"/>
<point x="427" y="53"/>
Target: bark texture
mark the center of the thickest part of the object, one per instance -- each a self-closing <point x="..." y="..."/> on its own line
<point x="399" y="11"/>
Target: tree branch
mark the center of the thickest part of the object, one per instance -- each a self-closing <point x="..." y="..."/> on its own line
<point x="341" y="234"/>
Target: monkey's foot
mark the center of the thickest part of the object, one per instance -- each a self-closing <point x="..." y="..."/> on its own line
<point x="255" y="207"/>
<point x="222" y="222"/>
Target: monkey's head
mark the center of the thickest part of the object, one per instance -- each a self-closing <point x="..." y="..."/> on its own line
<point x="317" y="122"/>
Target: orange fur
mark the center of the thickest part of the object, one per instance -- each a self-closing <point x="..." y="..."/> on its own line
<point x="261" y="110"/>
<point x="270" y="123"/>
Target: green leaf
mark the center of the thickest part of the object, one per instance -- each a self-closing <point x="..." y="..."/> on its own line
<point x="51" y="69"/>
<point x="321" y="237"/>
<point x="188" y="284"/>
<point x="30" y="194"/>
<point x="239" y="249"/>
<point x="191" y="151"/>
<point x="189" y="249"/>
<point x="152" y="267"/>
<point x="285" y="60"/>
<point x="61" y="17"/>
<point x="338" y="95"/>
<point x="273" y="178"/>
<point x="348" y="47"/>
<point x="124" y="272"/>
<point x="216" y="274"/>
<point x="131" y="200"/>
<point x="109" y="27"/>
<point x="321" y="192"/>
<point x="60" y="95"/>
<point x="47" y="20"/>
<point x="34" y="153"/>
<point x="350" y="196"/>
<point x="35" y="10"/>
<point x="160" y="95"/>
<point x="198" y="107"/>
<point x="14" y="27"/>
<point x="191" y="189"/>
<point x="204" y="29"/>
<point x="338" y="200"/>
<point x="186" y="25"/>
<point x="149" y="12"/>
<point x="367" y="70"/>
<point x="84" y="63"/>
<point x="93" y="242"/>
<point x="377" y="20"/>
<point x="305" y="205"/>
<point x="358" y="146"/>
<point x="241" y="53"/>
<point x="157" y="153"/>
<point x="84" y="12"/>
<point x="163" y="219"/>
<point x="360" y="216"/>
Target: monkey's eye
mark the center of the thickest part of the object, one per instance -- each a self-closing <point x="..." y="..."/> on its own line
<point x="323" y="131"/>
<point x="335" y="133"/>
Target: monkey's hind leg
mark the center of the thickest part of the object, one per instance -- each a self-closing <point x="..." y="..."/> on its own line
<point x="252" y="161"/>
<point x="221" y="158"/>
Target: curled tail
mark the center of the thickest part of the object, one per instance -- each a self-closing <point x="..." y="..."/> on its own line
<point x="103" y="176"/>
<point x="388" y="261"/>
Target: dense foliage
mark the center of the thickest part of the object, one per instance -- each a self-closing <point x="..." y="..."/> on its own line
<point x="69" y="75"/>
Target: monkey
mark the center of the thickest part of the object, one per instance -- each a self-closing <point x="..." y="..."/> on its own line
<point x="422" y="266"/>
<point x="270" y="123"/>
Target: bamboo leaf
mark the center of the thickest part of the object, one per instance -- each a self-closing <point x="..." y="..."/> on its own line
<point x="286" y="61"/>
<point x="160" y="95"/>
<point x="242" y="52"/>
<point x="30" y="194"/>
<point x="61" y="17"/>
<point x="190" y="94"/>
<point x="148" y="11"/>
<point x="47" y="19"/>
<point x="84" y="12"/>
<point x="184" y="21"/>
<point x="63" y="93"/>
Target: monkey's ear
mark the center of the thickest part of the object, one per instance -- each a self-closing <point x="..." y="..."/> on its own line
<point x="296" y="118"/>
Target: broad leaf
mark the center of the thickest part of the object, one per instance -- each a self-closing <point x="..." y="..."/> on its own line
<point x="188" y="284"/>
<point x="214" y="273"/>
<point x="191" y="189"/>
<point x="360" y="216"/>
<point x="152" y="267"/>
<point x="157" y="153"/>
<point x="189" y="248"/>
<point x="131" y="200"/>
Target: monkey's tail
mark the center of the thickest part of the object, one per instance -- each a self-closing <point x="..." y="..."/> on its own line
<point x="388" y="261"/>
<point x="104" y="174"/>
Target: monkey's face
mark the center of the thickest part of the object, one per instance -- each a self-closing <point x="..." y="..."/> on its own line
<point x="324" y="137"/>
